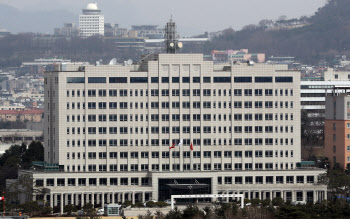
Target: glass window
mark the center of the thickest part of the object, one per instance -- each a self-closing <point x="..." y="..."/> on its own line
<point x="222" y="79"/>
<point x="154" y="80"/>
<point x="138" y="80"/>
<point x="263" y="79"/>
<point x="75" y="80"/>
<point x="243" y="79"/>
<point x="206" y="79"/>
<point x="94" y="80"/>
<point x="284" y="79"/>
<point x="118" y="80"/>
<point x="175" y="79"/>
<point x="165" y="79"/>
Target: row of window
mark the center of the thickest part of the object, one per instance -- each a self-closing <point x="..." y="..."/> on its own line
<point x="176" y="117"/>
<point x="176" y="92"/>
<point x="111" y="80"/>
<point x="265" y="180"/>
<point x="146" y="181"/>
<point x="185" y="105"/>
<point x="93" y="181"/>
<point x="185" y="130"/>
<point x="176" y="167"/>
<point x="185" y="154"/>
<point x="186" y="142"/>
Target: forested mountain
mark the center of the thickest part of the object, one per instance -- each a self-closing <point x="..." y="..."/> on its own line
<point x="310" y="39"/>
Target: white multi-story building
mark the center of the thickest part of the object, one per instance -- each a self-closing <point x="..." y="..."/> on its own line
<point x="91" y="22"/>
<point x="109" y="130"/>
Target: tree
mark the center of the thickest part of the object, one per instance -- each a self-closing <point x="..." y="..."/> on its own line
<point x="278" y="201"/>
<point x="192" y="212"/>
<point x="35" y="152"/>
<point x="174" y="214"/>
<point x="150" y="204"/>
<point x="255" y="202"/>
<point x="69" y="209"/>
<point x="30" y="207"/>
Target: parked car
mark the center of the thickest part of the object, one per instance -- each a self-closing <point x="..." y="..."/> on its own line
<point x="168" y="201"/>
<point x="100" y="211"/>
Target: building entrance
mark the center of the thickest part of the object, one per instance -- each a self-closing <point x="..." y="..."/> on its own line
<point x="184" y="186"/>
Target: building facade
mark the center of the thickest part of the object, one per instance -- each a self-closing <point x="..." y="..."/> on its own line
<point x="337" y="127"/>
<point x="110" y="128"/>
<point x="91" y="22"/>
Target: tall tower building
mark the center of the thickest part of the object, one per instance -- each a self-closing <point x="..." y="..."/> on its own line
<point x="337" y="126"/>
<point x="91" y="22"/>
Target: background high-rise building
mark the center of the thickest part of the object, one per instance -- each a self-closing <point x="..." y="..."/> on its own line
<point x="91" y="22"/>
<point x="337" y="126"/>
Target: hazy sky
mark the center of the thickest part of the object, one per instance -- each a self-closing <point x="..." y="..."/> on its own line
<point x="191" y="16"/>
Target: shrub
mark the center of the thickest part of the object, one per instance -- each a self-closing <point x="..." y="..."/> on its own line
<point x="139" y="205"/>
<point x="161" y="204"/>
<point x="150" y="204"/>
<point x="266" y="202"/>
<point x="255" y="202"/>
<point x="278" y="201"/>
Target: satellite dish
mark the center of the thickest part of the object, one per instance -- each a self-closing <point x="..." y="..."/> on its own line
<point x="172" y="44"/>
<point x="129" y="62"/>
<point x="180" y="45"/>
<point x="113" y="61"/>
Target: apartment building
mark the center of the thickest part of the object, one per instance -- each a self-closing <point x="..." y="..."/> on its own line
<point x="110" y="130"/>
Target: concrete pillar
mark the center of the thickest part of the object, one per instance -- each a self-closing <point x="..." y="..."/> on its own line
<point x="61" y="203"/>
<point x="92" y="199"/>
<point x="123" y="197"/>
<point x="76" y="199"/>
<point x="34" y="197"/>
<point x="325" y="195"/>
<point x="293" y="196"/>
<point x="102" y="199"/>
<point x="314" y="195"/>
<point x="113" y="198"/>
<point x="88" y="198"/>
<point x="51" y="200"/>
<point x="66" y="199"/>
<point x="143" y="197"/>
<point x="55" y="199"/>
<point x="109" y="198"/>
<point x="133" y="198"/>
<point x="98" y="198"/>
<point x="82" y="200"/>
<point x="72" y="200"/>
<point x="304" y="195"/>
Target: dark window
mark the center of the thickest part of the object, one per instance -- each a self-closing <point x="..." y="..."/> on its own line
<point x="222" y="79"/>
<point x="185" y="79"/>
<point x="196" y="80"/>
<point x="263" y="79"/>
<point x="138" y="80"/>
<point x="243" y="79"/>
<point x="284" y="79"/>
<point x="165" y="79"/>
<point x="118" y="80"/>
<point x="206" y="79"/>
<point x="75" y="80"/>
<point x="154" y="80"/>
<point x="94" y="80"/>
<point x="175" y="79"/>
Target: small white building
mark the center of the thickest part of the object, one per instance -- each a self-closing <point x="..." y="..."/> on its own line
<point x="91" y="22"/>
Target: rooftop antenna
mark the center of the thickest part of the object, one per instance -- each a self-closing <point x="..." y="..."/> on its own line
<point x="172" y="43"/>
